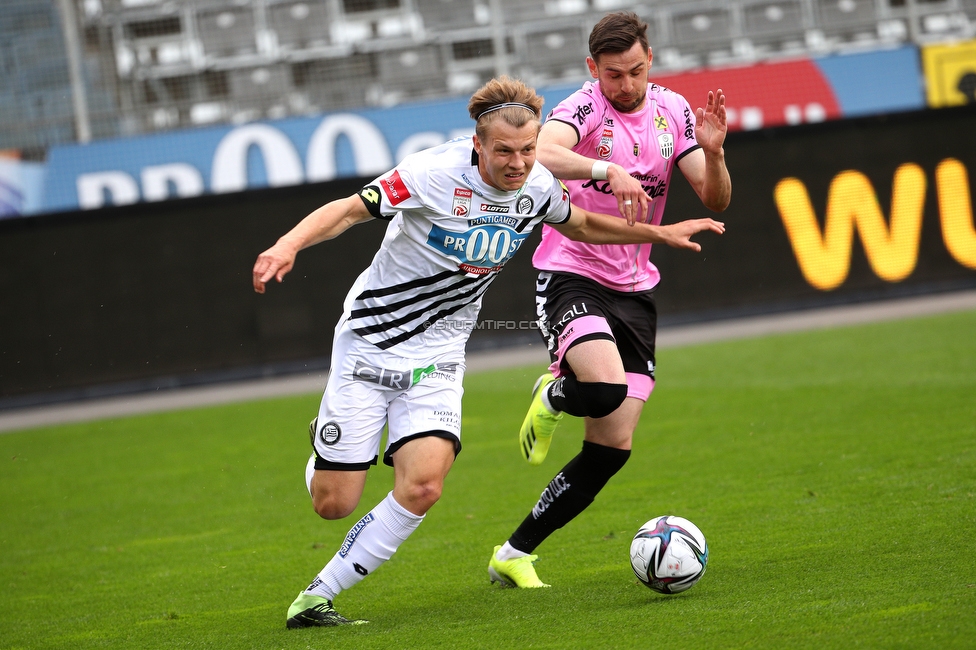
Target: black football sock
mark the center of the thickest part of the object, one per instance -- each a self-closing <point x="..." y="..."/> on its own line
<point x="568" y="494"/>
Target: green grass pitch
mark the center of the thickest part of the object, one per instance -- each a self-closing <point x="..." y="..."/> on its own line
<point x="832" y="472"/>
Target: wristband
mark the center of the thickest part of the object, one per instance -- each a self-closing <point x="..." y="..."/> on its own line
<point x="599" y="170"/>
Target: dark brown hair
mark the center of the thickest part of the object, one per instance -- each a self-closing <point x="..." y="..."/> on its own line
<point x="616" y="33"/>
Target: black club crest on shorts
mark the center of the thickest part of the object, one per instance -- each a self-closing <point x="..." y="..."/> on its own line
<point x="330" y="433"/>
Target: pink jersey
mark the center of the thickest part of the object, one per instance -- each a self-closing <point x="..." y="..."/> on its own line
<point x="647" y="144"/>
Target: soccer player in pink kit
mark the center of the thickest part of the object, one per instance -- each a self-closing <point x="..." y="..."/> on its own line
<point x="615" y="143"/>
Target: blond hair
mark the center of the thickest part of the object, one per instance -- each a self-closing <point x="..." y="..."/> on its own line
<point x="505" y="99"/>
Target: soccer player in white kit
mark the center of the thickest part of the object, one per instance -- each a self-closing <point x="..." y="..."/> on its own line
<point x="456" y="213"/>
<point x="615" y="143"/>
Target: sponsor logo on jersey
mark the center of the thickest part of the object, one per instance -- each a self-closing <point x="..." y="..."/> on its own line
<point x="605" y="148"/>
<point x="524" y="204"/>
<point x="660" y="122"/>
<point x="402" y="379"/>
<point x="652" y="189"/>
<point x="395" y="190"/>
<point x="488" y="207"/>
<point x="354" y="533"/>
<point x="608" y="122"/>
<point x="636" y="150"/>
<point x="666" y="141"/>
<point x="330" y="433"/>
<point x="582" y="111"/>
<point x="478" y="270"/>
<point x="467" y="180"/>
<point x="493" y="218"/>
<point x="689" y="124"/>
<point x="462" y="202"/>
<point x="486" y="247"/>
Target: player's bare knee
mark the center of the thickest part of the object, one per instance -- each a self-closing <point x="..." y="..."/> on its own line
<point x="423" y="495"/>
<point x="331" y="508"/>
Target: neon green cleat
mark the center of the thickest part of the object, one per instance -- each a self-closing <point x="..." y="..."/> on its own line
<point x="309" y="610"/>
<point x="536" y="432"/>
<point x="514" y="573"/>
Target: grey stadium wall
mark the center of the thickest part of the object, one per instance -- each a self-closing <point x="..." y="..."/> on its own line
<point x="156" y="295"/>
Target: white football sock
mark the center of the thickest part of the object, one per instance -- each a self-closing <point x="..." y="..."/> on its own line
<point x="370" y="542"/>
<point x="309" y="473"/>
<point x="509" y="552"/>
<point x="545" y="399"/>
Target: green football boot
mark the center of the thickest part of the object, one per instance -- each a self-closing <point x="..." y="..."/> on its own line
<point x="539" y="424"/>
<point x="309" y="610"/>
<point x="514" y="573"/>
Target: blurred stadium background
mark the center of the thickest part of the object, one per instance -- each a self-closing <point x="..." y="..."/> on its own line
<point x="149" y="149"/>
<point x="82" y="70"/>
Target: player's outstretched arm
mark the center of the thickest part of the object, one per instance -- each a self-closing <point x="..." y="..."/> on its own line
<point x="705" y="169"/>
<point x="327" y="222"/>
<point x="596" y="228"/>
<point x="556" y="140"/>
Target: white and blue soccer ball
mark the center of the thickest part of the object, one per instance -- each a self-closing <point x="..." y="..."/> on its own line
<point x="669" y="554"/>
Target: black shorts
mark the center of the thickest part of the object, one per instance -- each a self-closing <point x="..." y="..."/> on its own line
<point x="573" y="309"/>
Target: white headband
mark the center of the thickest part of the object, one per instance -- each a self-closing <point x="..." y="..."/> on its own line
<point x="498" y="107"/>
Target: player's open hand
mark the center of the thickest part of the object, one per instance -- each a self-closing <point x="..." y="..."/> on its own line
<point x="711" y="124"/>
<point x="681" y="233"/>
<point x="272" y="263"/>
<point x="632" y="201"/>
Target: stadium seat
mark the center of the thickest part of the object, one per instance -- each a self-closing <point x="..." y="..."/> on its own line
<point x="770" y="19"/>
<point x="262" y="85"/>
<point x="554" y="53"/>
<point x="448" y="14"/>
<point x="226" y="31"/>
<point x="299" y="25"/>
<point x="334" y="83"/>
<point x="846" y="18"/>
<point x="519" y="12"/>
<point x="700" y="29"/>
<point x="412" y="72"/>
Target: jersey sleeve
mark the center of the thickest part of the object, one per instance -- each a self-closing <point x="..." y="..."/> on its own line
<point x="579" y="110"/>
<point x="559" y="206"/>
<point x="393" y="192"/>
<point x="685" y="136"/>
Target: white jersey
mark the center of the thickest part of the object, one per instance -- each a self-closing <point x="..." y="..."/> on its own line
<point x="450" y="234"/>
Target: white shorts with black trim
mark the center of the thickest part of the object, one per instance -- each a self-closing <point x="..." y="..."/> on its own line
<point x="370" y="388"/>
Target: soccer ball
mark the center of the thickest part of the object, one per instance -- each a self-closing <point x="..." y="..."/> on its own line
<point x="669" y="554"/>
